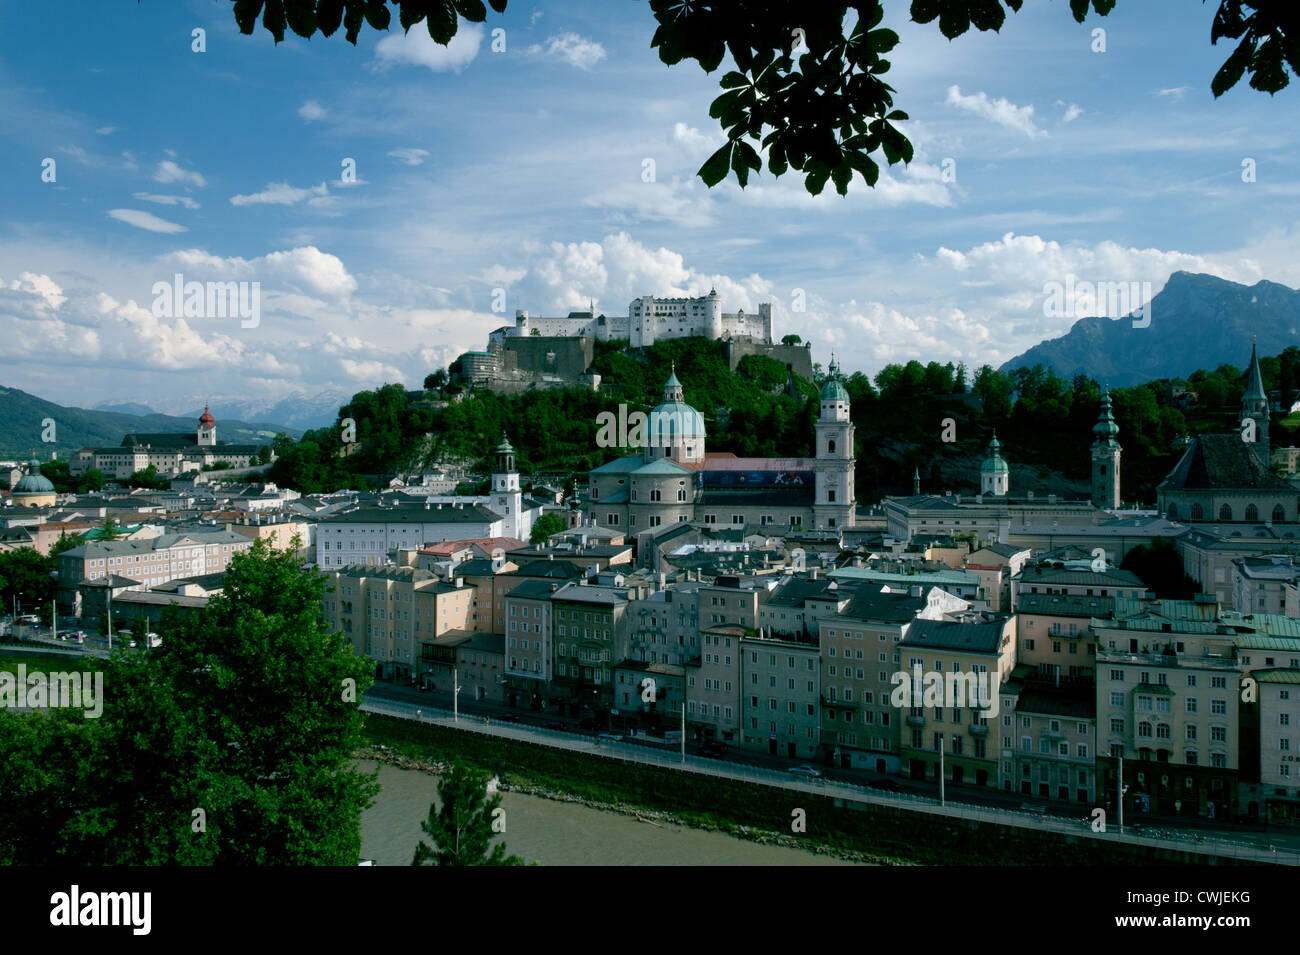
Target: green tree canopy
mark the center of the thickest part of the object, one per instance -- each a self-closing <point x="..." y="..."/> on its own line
<point x="231" y="743"/>
<point x="547" y="525"/>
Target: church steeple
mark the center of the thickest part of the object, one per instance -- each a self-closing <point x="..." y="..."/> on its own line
<point x="1105" y="457"/>
<point x="1254" y="405"/>
<point x="672" y="387"/>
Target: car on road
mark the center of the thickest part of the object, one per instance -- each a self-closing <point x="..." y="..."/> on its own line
<point x="510" y="718"/>
<point x="886" y="784"/>
<point x="713" y="747"/>
<point x="554" y="725"/>
<point x="29" y="619"/>
<point x="809" y="771"/>
<point x="587" y="723"/>
<point x="609" y="738"/>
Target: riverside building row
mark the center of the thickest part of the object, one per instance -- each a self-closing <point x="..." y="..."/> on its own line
<point x="805" y="666"/>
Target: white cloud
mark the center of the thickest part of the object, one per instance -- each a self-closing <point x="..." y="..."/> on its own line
<point x="169" y="171"/>
<point x="145" y="220"/>
<point x="280" y="194"/>
<point x="306" y="269"/>
<point x="412" y="157"/>
<point x="1176" y="92"/>
<point x="370" y="372"/>
<point x="572" y="49"/>
<point x="1072" y="113"/>
<point x="161" y="200"/>
<point x="311" y="111"/>
<point x="106" y="130"/>
<point x="41" y="286"/>
<point x="695" y="142"/>
<point x="417" y="48"/>
<point x="1000" y="111"/>
<point x="499" y="276"/>
<point x="685" y="203"/>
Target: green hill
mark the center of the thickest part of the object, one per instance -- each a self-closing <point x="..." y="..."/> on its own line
<point x="1043" y="420"/>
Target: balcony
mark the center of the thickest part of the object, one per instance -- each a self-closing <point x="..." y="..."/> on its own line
<point x="915" y="720"/>
<point x="979" y="729"/>
<point x="593" y="657"/>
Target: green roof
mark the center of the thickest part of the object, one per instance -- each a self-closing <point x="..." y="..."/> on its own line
<point x="1277" y="676"/>
<point x="939" y="577"/>
<point x="661" y="466"/>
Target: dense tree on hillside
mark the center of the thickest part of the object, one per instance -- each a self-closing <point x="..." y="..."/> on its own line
<point x="808" y="87"/>
<point x="1043" y="420"/>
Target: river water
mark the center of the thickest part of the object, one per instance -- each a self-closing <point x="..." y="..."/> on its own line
<point x="558" y="833"/>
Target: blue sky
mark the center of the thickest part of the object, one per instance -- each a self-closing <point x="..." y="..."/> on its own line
<point x="522" y="170"/>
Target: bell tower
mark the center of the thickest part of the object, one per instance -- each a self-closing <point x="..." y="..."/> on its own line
<point x="1105" y="457"/>
<point x="833" y="500"/>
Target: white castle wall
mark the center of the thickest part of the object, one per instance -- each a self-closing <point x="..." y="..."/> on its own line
<point x="651" y="319"/>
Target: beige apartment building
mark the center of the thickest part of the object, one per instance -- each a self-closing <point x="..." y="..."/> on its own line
<point x="149" y="562"/>
<point x="713" y="684"/>
<point x="980" y="650"/>
<point x="995" y="564"/>
<point x="1279" y="744"/>
<point x="1056" y="636"/>
<point x="780" y="680"/>
<point x="859" y="656"/>
<point x="392" y="614"/>
<point x="1168" y="682"/>
<point x="1048" y="738"/>
<point x="528" y="636"/>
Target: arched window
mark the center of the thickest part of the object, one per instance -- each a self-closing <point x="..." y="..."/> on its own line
<point x="1252" y="512"/>
<point x="1225" y="513"/>
<point x="830" y="446"/>
<point x="1198" y="513"/>
<point x="1279" y="514"/>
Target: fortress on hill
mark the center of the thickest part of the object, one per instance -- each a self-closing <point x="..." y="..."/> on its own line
<point x="557" y="352"/>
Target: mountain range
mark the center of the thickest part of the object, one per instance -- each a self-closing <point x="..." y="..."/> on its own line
<point x="1196" y="321"/>
<point x="299" y="409"/>
<point x="23" y="426"/>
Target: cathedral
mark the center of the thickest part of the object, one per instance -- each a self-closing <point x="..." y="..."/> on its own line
<point x="675" y="479"/>
<point x="1226" y="478"/>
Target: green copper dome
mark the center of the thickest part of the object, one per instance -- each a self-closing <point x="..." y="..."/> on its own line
<point x="833" y="389"/>
<point x="995" y="463"/>
<point x="34" y="482"/>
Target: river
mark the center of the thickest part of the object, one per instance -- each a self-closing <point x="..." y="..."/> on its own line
<point x="559" y="833"/>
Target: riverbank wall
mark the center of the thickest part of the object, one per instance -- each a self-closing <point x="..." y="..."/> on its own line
<point x="869" y="831"/>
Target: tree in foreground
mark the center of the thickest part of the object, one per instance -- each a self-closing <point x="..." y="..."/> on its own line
<point x="231" y="743"/>
<point x="461" y="832"/>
